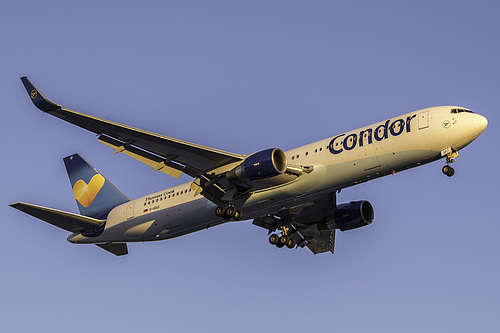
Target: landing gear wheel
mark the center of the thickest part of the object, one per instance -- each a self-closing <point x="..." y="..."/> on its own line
<point x="229" y="214"/>
<point x="238" y="214"/>
<point x="219" y="211"/>
<point x="273" y="239"/>
<point x="448" y="170"/>
<point x="283" y="240"/>
<point x="291" y="243"/>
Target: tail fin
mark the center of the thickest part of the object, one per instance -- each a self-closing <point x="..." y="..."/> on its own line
<point x="94" y="194"/>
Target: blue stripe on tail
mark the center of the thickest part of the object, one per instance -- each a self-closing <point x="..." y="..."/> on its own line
<point x="94" y="194"/>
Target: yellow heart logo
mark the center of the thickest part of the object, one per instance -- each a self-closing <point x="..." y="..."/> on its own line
<point x="86" y="193"/>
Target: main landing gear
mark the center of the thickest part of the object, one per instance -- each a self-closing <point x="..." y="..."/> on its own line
<point x="229" y="213"/>
<point x="451" y="154"/>
<point x="282" y="240"/>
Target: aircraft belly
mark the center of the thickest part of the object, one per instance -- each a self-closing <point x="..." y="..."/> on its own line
<point x="142" y="230"/>
<point x="139" y="228"/>
<point x="190" y="217"/>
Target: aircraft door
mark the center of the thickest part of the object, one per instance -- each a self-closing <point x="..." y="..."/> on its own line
<point x="130" y="210"/>
<point x="423" y="120"/>
<point x="366" y="153"/>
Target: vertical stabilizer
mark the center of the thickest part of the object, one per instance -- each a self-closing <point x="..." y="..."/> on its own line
<point x="94" y="194"/>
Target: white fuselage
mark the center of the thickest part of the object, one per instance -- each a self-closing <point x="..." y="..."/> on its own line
<point x="344" y="160"/>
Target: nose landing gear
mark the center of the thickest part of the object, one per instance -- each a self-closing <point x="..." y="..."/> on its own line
<point x="451" y="154"/>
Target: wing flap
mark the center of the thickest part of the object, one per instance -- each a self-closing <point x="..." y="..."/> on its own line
<point x="64" y="220"/>
<point x="154" y="161"/>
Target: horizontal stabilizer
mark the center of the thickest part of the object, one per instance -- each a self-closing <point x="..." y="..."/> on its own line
<point x="64" y="220"/>
<point x="118" y="249"/>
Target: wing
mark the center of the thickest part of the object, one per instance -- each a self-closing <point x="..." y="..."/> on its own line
<point x="169" y="155"/>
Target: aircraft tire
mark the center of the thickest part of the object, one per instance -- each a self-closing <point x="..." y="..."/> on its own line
<point x="448" y="170"/>
<point x="273" y="239"/>
<point x="291" y="243"/>
<point x="238" y="215"/>
<point x="283" y="240"/>
<point x="230" y="211"/>
<point x="219" y="211"/>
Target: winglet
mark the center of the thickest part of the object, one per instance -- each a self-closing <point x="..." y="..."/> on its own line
<point x="37" y="98"/>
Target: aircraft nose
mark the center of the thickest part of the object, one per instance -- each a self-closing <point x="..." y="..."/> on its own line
<point x="480" y="123"/>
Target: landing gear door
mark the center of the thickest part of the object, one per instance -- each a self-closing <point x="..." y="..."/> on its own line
<point x="423" y="120"/>
<point x="130" y="210"/>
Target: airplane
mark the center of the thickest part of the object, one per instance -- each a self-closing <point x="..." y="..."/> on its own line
<point x="292" y="194"/>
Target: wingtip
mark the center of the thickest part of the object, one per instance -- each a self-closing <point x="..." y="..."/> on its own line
<point x="37" y="98"/>
<point x="18" y="205"/>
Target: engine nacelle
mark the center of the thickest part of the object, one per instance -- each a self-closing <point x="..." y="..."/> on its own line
<point x="353" y="215"/>
<point x="264" y="164"/>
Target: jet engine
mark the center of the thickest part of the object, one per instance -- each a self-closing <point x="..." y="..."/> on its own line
<point x="353" y="215"/>
<point x="264" y="164"/>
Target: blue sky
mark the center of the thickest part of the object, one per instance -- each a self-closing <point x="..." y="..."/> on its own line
<point x="245" y="76"/>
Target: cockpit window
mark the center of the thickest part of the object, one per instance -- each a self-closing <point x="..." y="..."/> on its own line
<point x="460" y="111"/>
